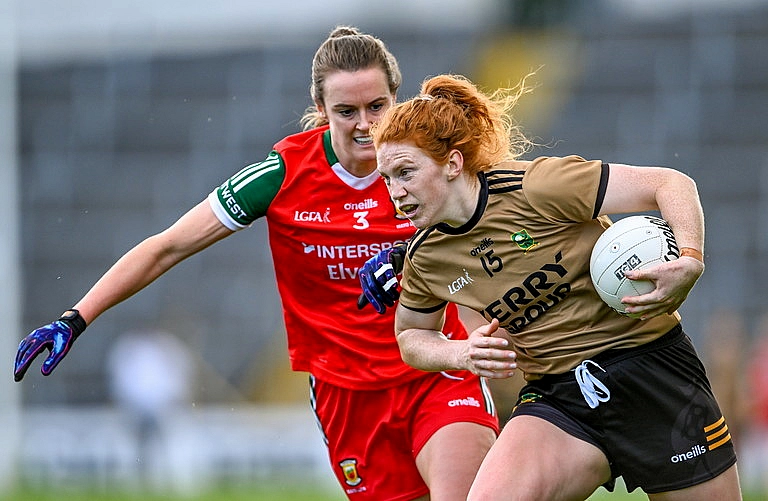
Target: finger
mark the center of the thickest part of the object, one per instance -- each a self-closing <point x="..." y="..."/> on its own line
<point x="499" y="354"/>
<point x="29" y="351"/>
<point x="28" y="345"/>
<point x="369" y="286"/>
<point x="61" y="346"/>
<point x="496" y="375"/>
<point x="488" y="330"/>
<point x="22" y="349"/>
<point x="375" y="288"/>
<point x="383" y="269"/>
<point x="372" y="300"/>
<point x="495" y="372"/>
<point x="19" y="369"/>
<point x="51" y="362"/>
<point x="18" y="372"/>
<point x="24" y="360"/>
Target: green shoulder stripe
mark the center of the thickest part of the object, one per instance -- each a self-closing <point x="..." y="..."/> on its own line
<point x="252" y="189"/>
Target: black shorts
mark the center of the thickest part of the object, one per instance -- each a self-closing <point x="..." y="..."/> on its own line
<point x="661" y="428"/>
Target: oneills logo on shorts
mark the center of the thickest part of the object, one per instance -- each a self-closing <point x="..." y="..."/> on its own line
<point x="349" y="468"/>
<point x="717" y="434"/>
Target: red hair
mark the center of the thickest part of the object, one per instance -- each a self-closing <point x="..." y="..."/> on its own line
<point x="451" y="113"/>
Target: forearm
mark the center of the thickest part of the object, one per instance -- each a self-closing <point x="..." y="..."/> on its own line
<point x="142" y="265"/>
<point x="430" y="350"/>
<point x="135" y="270"/>
<point x="679" y="204"/>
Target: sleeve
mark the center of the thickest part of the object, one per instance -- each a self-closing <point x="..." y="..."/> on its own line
<point x="565" y="189"/>
<point x="415" y="294"/>
<point x="245" y="197"/>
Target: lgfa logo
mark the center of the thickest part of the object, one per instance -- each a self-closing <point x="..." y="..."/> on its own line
<point x="460" y="283"/>
<point x="313" y="216"/>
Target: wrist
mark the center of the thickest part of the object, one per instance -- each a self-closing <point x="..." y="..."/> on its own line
<point x="691" y="252"/>
<point x="74" y="320"/>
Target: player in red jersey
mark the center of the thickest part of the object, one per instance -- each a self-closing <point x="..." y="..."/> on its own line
<point x="393" y="432"/>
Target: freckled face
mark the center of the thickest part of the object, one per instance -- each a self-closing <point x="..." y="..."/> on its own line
<point x="353" y="101"/>
<point x="418" y="185"/>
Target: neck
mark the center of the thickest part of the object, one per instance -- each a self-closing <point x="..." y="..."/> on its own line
<point x="467" y="194"/>
<point x="359" y="169"/>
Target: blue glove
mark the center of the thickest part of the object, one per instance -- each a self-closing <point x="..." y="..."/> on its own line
<point x="56" y="337"/>
<point x="378" y="278"/>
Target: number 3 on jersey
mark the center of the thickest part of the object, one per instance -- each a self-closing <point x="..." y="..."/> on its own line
<point x="362" y="223"/>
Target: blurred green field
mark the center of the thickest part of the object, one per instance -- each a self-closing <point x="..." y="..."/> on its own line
<point x="254" y="493"/>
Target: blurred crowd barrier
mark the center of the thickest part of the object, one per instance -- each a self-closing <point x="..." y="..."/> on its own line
<point x="192" y="448"/>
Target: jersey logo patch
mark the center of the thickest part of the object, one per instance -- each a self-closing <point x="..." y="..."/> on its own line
<point x="349" y="468"/>
<point x="313" y="216"/>
<point x="526" y="398"/>
<point x="523" y="240"/>
<point x="460" y="283"/>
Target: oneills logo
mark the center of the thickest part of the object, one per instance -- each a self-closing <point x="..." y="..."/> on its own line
<point x="349" y="468"/>
<point x="717" y="435"/>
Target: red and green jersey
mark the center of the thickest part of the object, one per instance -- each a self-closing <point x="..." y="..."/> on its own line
<point x="323" y="225"/>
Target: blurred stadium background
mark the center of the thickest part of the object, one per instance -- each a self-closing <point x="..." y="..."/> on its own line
<point x="117" y="117"/>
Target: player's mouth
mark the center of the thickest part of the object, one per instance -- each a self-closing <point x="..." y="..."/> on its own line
<point x="408" y="210"/>
<point x="363" y="140"/>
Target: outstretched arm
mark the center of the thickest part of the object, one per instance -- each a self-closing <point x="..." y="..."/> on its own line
<point x="193" y="232"/>
<point x="140" y="266"/>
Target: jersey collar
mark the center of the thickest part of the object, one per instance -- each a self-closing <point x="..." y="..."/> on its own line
<point x="482" y="202"/>
<point x="358" y="183"/>
<point x="330" y="155"/>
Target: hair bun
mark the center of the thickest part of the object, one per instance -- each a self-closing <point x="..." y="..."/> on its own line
<point x="343" y="31"/>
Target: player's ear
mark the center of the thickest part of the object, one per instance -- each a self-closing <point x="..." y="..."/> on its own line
<point x="321" y="109"/>
<point x="455" y="164"/>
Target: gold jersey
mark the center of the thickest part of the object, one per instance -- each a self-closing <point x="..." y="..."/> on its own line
<point x="523" y="258"/>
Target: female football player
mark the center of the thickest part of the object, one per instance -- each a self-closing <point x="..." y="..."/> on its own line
<point x="607" y="395"/>
<point x="393" y="432"/>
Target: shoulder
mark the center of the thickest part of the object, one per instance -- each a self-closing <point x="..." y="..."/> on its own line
<point x="556" y="166"/>
<point x="418" y="239"/>
<point x="301" y="140"/>
<point x="506" y="177"/>
<point x="564" y="188"/>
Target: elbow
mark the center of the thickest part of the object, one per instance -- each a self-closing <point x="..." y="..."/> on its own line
<point x="683" y="181"/>
<point x="690" y="182"/>
<point x="408" y="352"/>
<point x="409" y="357"/>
